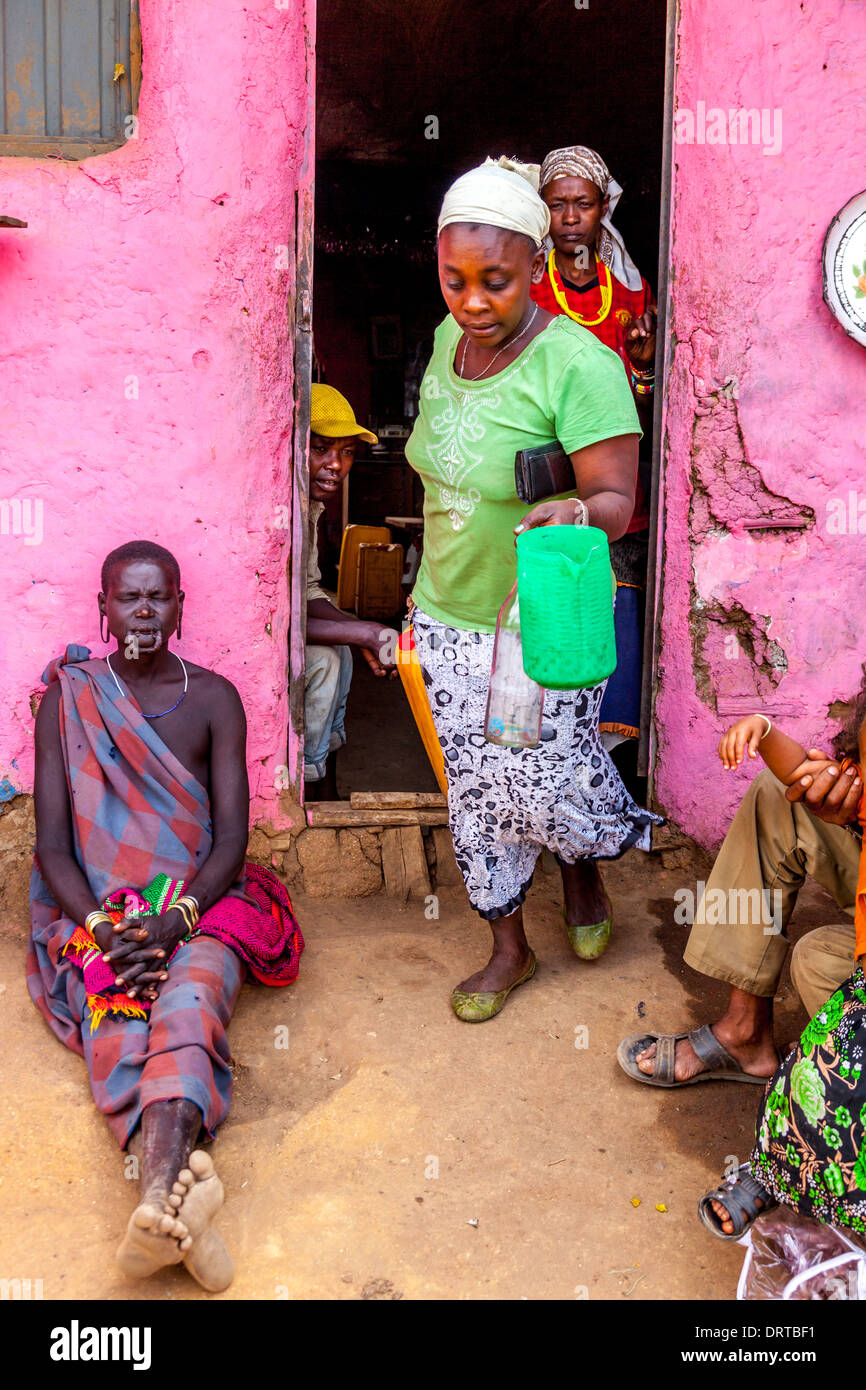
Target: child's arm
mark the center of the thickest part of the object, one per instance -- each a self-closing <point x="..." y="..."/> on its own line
<point x="783" y="755"/>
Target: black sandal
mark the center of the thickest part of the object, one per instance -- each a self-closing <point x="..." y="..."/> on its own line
<point x="739" y="1196"/>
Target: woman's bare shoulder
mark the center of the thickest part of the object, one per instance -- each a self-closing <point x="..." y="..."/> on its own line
<point x="219" y="692"/>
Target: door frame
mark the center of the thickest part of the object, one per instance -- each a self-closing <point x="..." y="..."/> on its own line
<point x="647" y="746"/>
<point x="300" y="322"/>
<point x="300" y="336"/>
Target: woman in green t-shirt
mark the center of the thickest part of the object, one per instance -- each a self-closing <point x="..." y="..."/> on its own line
<point x="506" y="375"/>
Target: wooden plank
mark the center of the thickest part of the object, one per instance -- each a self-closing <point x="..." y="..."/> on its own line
<point x="404" y="863"/>
<point x="400" y="799"/>
<point x="448" y="874"/>
<point x="392" y="864"/>
<point x="337" y="813"/>
<point x="415" y="868"/>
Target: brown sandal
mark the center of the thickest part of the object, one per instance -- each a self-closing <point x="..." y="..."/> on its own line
<point x="720" y="1065"/>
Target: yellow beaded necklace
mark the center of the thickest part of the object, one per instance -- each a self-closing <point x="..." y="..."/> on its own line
<point x="605" y="283"/>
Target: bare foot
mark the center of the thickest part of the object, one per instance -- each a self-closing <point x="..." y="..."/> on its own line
<point x="153" y="1238"/>
<point x="757" y="1057"/>
<point x="504" y="968"/>
<point x="197" y="1196"/>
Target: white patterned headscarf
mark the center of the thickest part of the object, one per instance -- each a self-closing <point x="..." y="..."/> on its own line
<point x="580" y="162"/>
<point x="499" y="193"/>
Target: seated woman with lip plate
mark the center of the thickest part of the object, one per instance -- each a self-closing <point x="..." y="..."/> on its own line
<point x="506" y="375"/>
<point x="145" y="918"/>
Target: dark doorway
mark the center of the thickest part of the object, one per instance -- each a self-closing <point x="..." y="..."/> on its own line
<point x="409" y="95"/>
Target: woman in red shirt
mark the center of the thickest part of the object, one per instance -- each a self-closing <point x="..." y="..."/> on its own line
<point x="590" y="276"/>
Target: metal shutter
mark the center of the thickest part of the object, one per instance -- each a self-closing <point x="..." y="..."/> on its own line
<point x="61" y="87"/>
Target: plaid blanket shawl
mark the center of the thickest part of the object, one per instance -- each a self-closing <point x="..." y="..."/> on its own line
<point x="142" y="827"/>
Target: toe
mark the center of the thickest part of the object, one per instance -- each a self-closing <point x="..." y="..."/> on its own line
<point x="185" y="1176"/>
<point x="174" y="1202"/>
<point x="146" y="1218"/>
<point x="201" y="1164"/>
<point x="179" y="1189"/>
<point x="723" y="1217"/>
<point x="186" y="1243"/>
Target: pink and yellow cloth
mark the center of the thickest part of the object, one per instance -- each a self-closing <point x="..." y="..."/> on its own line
<point x="260" y="928"/>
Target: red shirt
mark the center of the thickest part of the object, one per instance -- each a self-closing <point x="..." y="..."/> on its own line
<point x="625" y="305"/>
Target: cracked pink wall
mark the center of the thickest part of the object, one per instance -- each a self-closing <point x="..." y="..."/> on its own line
<point x="764" y="421"/>
<point x="161" y="262"/>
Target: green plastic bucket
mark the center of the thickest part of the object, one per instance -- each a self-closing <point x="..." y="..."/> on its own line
<point x="565" y="593"/>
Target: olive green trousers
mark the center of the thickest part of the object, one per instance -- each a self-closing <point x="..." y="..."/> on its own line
<point x="738" y="935"/>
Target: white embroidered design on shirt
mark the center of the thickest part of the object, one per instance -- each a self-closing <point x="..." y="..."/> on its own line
<point x="457" y="427"/>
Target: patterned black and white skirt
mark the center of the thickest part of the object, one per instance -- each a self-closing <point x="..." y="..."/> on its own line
<point x="505" y="805"/>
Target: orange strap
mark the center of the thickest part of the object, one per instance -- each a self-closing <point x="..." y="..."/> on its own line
<point x="860" y="900"/>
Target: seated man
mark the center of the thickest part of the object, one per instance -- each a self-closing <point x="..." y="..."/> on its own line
<point x="144" y="917"/>
<point x="782" y="832"/>
<point x="334" y="435"/>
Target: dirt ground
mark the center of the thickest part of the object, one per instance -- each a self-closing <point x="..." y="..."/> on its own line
<point x="391" y="1151"/>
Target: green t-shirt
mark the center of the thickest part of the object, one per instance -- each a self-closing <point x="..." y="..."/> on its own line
<point x="565" y="385"/>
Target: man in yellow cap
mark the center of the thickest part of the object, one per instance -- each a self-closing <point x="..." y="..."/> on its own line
<point x="334" y="435"/>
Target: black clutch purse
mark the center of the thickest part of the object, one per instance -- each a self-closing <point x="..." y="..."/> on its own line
<point x="543" y="472"/>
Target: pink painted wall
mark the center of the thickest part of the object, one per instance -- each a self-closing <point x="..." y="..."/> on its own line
<point x="785" y="436"/>
<point x="158" y="268"/>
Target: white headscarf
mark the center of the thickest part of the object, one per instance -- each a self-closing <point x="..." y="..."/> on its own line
<point x="580" y="162"/>
<point x="499" y="193"/>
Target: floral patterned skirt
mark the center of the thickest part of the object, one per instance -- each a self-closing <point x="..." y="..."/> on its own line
<point x="809" y="1151"/>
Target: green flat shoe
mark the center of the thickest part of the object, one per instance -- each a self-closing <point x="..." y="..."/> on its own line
<point x="591" y="941"/>
<point x="477" y="1008"/>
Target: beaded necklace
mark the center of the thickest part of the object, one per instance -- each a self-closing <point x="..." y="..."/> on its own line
<point x="605" y="283"/>
<point x="164" y="711"/>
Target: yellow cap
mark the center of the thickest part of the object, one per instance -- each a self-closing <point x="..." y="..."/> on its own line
<point x="333" y="417"/>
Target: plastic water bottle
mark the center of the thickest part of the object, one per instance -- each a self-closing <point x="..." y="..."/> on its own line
<point x="514" y="701"/>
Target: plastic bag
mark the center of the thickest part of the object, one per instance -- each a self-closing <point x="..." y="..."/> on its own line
<point x="789" y="1256"/>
